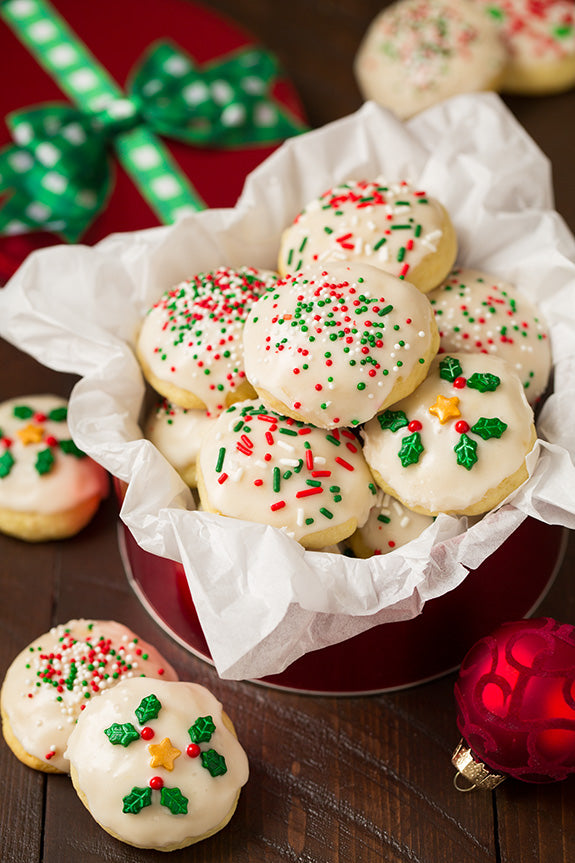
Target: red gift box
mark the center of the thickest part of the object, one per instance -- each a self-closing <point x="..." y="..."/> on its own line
<point x="118" y="35"/>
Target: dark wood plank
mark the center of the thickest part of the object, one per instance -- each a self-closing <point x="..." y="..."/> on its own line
<point x="352" y="779"/>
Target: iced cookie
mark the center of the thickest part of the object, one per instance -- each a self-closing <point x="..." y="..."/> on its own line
<point x="477" y="313"/>
<point x="52" y="680"/>
<point x="178" y="432"/>
<point x="396" y="227"/>
<point x="457" y="444"/>
<point x="417" y="53"/>
<point x="334" y="346"/>
<point x="540" y="39"/>
<point x="390" y="525"/>
<point x="311" y="483"/>
<point x="157" y="763"/>
<point x="190" y="343"/>
<point x="49" y="489"/>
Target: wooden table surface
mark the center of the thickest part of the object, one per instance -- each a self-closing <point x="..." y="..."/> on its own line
<point x="332" y="779"/>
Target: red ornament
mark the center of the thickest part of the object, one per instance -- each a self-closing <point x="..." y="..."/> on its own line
<point x="515" y="696"/>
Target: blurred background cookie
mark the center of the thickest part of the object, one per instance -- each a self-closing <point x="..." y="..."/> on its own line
<point x="419" y="52"/>
<point x="49" y="489"/>
<point x="540" y="39"/>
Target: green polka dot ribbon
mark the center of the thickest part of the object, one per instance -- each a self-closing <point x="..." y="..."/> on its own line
<point x="59" y="172"/>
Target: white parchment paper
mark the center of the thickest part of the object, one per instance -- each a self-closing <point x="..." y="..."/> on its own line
<point x="262" y="600"/>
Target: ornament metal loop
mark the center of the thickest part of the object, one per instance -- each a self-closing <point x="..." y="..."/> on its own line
<point x="470" y="768"/>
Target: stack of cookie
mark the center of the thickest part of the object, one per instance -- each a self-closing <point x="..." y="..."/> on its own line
<point x="417" y="53"/>
<point x="366" y="378"/>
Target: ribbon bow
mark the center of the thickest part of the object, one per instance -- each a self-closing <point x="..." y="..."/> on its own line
<point x="59" y="168"/>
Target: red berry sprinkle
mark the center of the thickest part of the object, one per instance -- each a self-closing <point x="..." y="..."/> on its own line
<point x="193" y="750"/>
<point x="147" y="733"/>
<point x="156" y="782"/>
<point x="459" y="383"/>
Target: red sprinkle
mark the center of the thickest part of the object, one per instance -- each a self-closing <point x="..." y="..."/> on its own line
<point x="344" y="463"/>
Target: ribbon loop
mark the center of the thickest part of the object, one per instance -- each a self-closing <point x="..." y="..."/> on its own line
<point x="120" y="115"/>
<point x="58" y="170"/>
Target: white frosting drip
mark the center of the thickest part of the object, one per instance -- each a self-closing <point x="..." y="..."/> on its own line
<point x="359" y="333"/>
<point x="437" y="482"/>
<point x="391" y="525"/>
<point x="242" y="459"/>
<point x="38" y="719"/>
<point x="478" y="313"/>
<point x="69" y="482"/>
<point x="342" y="225"/>
<point x="106" y="773"/>
<point x="192" y="337"/>
<point x="178" y="433"/>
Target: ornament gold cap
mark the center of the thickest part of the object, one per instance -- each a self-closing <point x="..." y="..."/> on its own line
<point x="469" y="767"/>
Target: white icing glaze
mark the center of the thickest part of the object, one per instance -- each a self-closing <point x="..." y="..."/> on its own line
<point x="70" y="480"/>
<point x="333" y="346"/>
<point x="535" y="31"/>
<point x="191" y="337"/>
<point x="106" y="772"/>
<point x="436" y="482"/>
<point x="290" y="475"/>
<point x="41" y="714"/>
<point x="477" y="313"/>
<point x="178" y="432"/>
<point x="391" y="525"/>
<point x="419" y="52"/>
<point x="392" y="226"/>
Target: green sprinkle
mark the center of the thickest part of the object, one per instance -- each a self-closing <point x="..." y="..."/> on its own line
<point x="221" y="457"/>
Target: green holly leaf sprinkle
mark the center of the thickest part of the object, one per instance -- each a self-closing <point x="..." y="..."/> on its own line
<point x="411" y="449"/>
<point x="44" y="461"/>
<point x="135" y="801"/>
<point x="174" y="800"/>
<point x="214" y="762"/>
<point x="483" y="382"/>
<point x="488" y="427"/>
<point x="6" y="463"/>
<point x="466" y="452"/>
<point x="392" y="420"/>
<point x="70" y="448"/>
<point x="58" y="415"/>
<point x="23" y="412"/>
<point x="147" y="709"/>
<point x="122" y="734"/>
<point x="202" y="729"/>
<point x="449" y="369"/>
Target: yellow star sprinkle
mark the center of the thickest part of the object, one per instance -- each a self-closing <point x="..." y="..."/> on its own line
<point x="31" y="434"/>
<point x="163" y="754"/>
<point x="445" y="408"/>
